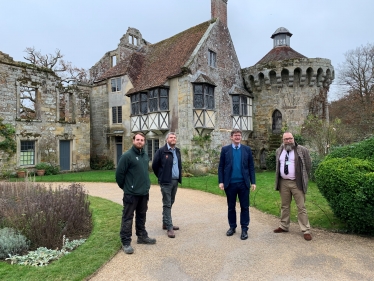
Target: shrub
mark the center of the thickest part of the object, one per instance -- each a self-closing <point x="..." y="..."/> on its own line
<point x="42" y="166"/>
<point x="270" y="161"/>
<point x="42" y="256"/>
<point x="12" y="243"/>
<point x="316" y="160"/>
<point x="361" y="150"/>
<point x="348" y="186"/>
<point x="101" y="163"/>
<point x="45" y="215"/>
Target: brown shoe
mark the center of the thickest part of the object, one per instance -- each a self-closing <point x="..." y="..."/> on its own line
<point x="174" y="227"/>
<point x="307" y="237"/>
<point x="170" y="233"/>
<point x="279" y="230"/>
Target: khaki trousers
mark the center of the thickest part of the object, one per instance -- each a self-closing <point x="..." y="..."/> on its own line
<point x="288" y="189"/>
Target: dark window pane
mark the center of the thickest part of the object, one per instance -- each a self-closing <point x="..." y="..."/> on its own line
<point x="164" y="103"/>
<point x="119" y="114"/>
<point x="114" y="114"/>
<point x="244" y="106"/>
<point x="235" y="105"/>
<point x="198" y="96"/>
<point x="118" y="84"/>
<point x="113" y="82"/>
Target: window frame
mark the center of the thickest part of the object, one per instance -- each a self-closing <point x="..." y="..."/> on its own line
<point x="115" y="84"/>
<point x="155" y="100"/>
<point x="152" y="146"/>
<point x="207" y="96"/>
<point x="243" y="105"/>
<point x="26" y="158"/>
<point x="116" y="114"/>
<point x="212" y="58"/>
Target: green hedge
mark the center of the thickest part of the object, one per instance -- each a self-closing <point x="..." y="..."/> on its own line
<point x="360" y="150"/>
<point x="348" y="186"/>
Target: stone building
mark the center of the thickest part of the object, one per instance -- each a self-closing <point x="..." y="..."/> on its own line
<point x="51" y="124"/>
<point x="190" y="84"/>
<point x="287" y="87"/>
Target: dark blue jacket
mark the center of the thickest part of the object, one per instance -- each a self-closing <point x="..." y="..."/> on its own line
<point x="226" y="161"/>
<point x="163" y="163"/>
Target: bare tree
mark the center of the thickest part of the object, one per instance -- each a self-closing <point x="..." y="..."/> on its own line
<point x="68" y="73"/>
<point x="356" y="74"/>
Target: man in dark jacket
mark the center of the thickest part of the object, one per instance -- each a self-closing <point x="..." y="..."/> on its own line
<point x="236" y="173"/>
<point x="132" y="177"/>
<point x="293" y="166"/>
<point x="167" y="166"/>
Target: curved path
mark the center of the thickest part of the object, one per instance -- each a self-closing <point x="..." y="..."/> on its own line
<point x="202" y="251"/>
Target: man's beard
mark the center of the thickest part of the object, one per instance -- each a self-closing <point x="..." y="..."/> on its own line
<point x="289" y="147"/>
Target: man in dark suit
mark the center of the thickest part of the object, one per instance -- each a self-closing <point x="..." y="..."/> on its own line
<point x="236" y="172"/>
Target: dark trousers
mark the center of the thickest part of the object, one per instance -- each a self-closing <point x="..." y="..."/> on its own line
<point x="132" y="203"/>
<point x="168" y="192"/>
<point x="238" y="190"/>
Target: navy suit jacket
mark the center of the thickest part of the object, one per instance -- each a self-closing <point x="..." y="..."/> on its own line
<point x="225" y="165"/>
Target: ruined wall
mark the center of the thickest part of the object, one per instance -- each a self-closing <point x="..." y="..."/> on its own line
<point x="32" y="101"/>
<point x="295" y="88"/>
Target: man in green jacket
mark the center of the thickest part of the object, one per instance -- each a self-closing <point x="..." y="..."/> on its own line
<point x="133" y="178"/>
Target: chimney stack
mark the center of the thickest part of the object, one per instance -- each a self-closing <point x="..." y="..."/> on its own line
<point x="219" y="10"/>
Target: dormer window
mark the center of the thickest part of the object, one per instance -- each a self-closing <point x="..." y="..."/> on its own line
<point x="212" y="59"/>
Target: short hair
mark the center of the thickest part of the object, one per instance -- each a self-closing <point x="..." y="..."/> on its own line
<point x="140" y="133"/>
<point x="236" y="131"/>
<point x="168" y="134"/>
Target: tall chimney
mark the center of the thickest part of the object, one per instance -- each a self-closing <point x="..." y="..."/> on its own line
<point x="219" y="10"/>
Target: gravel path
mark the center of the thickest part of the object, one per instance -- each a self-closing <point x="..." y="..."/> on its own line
<point x="202" y="251"/>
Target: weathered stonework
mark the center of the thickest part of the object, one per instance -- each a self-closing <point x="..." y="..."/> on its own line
<point x="48" y="124"/>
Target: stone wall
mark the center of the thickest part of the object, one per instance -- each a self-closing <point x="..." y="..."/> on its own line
<point x="51" y="114"/>
<point x="294" y="87"/>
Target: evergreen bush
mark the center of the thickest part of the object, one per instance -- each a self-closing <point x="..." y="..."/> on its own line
<point x="270" y="161"/>
<point x="12" y="243"/>
<point x="348" y="186"/>
<point x="361" y="150"/>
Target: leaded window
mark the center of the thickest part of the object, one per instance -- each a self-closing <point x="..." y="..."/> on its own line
<point x="27" y="156"/>
<point x="143" y="103"/>
<point x="116" y="114"/>
<point x="153" y="100"/>
<point x="135" y="104"/>
<point x="203" y="96"/>
<point x="152" y="146"/>
<point x="240" y="105"/>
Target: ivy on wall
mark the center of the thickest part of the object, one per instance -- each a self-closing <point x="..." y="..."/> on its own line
<point x="7" y="135"/>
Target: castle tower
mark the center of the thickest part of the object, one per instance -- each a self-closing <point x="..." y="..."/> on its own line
<point x="287" y="87"/>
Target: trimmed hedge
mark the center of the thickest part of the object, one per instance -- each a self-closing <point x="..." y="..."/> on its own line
<point x="360" y="150"/>
<point x="348" y="186"/>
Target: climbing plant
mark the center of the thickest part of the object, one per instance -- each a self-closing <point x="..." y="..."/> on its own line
<point x="7" y="138"/>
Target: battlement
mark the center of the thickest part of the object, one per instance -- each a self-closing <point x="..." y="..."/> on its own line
<point x="301" y="72"/>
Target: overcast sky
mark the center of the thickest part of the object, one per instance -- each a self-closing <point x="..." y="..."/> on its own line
<point x="84" y="30"/>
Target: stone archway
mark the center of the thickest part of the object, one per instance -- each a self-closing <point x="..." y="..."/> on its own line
<point x="276" y="122"/>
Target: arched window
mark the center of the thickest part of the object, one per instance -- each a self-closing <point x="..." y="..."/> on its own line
<point x="277" y="122"/>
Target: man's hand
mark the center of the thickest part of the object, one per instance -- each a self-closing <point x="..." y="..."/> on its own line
<point x="253" y="187"/>
<point x="221" y="186"/>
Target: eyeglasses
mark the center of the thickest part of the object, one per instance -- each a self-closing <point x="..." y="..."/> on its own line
<point x="286" y="139"/>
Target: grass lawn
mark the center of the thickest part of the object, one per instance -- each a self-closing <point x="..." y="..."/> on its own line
<point x="100" y="247"/>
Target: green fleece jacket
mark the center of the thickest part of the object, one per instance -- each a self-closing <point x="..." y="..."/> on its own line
<point x="132" y="172"/>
